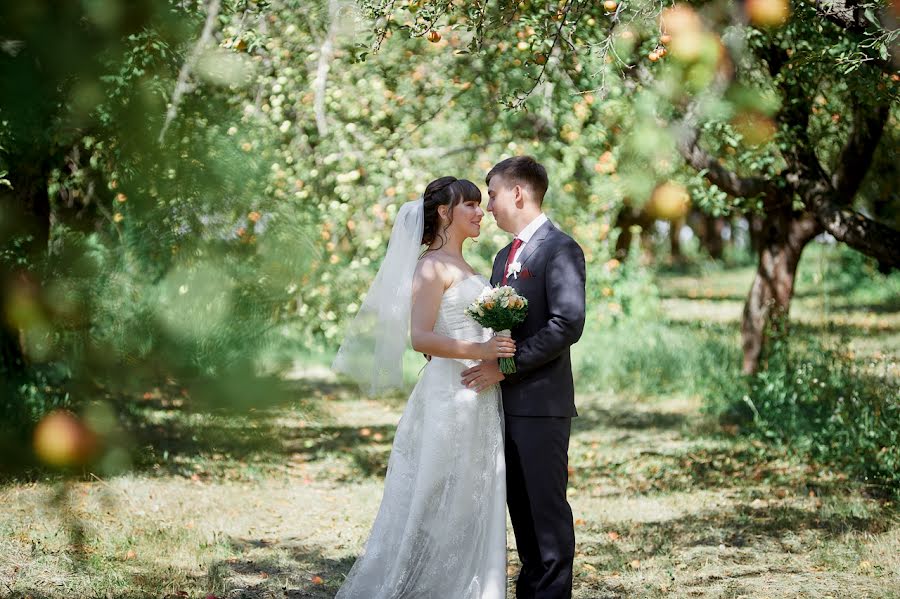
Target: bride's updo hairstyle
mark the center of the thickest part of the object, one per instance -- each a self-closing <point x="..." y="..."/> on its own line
<point x="446" y="191"/>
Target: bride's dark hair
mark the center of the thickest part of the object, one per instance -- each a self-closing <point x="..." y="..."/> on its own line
<point x="446" y="191"/>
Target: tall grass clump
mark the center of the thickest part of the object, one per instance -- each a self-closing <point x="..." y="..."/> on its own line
<point x="628" y="346"/>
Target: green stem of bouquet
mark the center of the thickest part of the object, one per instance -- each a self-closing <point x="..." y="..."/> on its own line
<point x="507" y="365"/>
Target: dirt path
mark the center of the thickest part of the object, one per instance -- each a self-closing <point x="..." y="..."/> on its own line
<point x="279" y="507"/>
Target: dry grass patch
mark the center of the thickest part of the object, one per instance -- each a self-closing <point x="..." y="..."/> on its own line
<point x="663" y="508"/>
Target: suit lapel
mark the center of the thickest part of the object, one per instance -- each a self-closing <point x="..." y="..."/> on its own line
<point x="497" y="274"/>
<point x="535" y="242"/>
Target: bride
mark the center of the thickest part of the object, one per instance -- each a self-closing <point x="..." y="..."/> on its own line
<point x="441" y="529"/>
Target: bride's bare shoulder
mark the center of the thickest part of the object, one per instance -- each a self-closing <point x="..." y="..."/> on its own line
<point x="432" y="269"/>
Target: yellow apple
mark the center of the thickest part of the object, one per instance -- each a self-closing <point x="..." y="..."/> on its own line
<point x="767" y="13"/>
<point x="62" y="440"/>
<point x="680" y="19"/>
<point x="754" y="127"/>
<point x="669" y="201"/>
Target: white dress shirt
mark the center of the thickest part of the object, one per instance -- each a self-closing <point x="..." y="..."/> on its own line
<point x="528" y="232"/>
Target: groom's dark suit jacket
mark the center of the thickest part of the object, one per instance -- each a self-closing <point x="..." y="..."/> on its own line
<point x="552" y="280"/>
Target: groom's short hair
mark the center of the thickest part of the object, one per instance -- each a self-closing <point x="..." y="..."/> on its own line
<point x="522" y="170"/>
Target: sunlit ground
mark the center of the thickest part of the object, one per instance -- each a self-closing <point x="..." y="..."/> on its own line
<point x="278" y="505"/>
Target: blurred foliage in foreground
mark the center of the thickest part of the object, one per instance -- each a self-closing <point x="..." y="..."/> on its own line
<point x="193" y="194"/>
<point x="139" y="242"/>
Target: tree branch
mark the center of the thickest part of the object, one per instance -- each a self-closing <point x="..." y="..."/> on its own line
<point x="774" y="56"/>
<point x="804" y="170"/>
<point x="687" y="142"/>
<point x="856" y="157"/>
<point x="326" y="53"/>
<point x="181" y="86"/>
<point x="851" y="17"/>
<point x="727" y="180"/>
<point x="520" y="101"/>
<point x="843" y="13"/>
<point x="862" y="234"/>
<point x="430" y="152"/>
<point x="888" y="20"/>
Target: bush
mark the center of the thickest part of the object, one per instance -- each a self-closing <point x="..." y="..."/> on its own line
<point x="816" y="399"/>
<point x="845" y="277"/>
<point x="37" y="394"/>
<point x="619" y="291"/>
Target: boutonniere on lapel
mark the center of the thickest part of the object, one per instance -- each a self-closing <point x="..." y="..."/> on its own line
<point x="515" y="267"/>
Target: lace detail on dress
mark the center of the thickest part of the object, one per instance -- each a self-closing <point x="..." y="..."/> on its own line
<point x="441" y="527"/>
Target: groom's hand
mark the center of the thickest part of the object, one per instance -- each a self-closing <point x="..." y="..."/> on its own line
<point x="482" y="376"/>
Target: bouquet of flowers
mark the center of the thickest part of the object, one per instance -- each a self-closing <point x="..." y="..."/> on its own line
<point x="500" y="309"/>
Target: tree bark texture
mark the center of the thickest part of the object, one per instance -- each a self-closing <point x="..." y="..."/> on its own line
<point x="784" y="235"/>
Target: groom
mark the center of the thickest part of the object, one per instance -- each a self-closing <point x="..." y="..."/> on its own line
<point x="546" y="266"/>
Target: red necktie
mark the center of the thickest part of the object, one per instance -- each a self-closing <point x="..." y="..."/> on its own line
<point x="512" y="255"/>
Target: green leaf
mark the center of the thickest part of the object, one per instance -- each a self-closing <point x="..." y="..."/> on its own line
<point x="870" y="16"/>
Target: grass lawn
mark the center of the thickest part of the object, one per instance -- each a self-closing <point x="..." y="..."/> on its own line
<point x="278" y="503"/>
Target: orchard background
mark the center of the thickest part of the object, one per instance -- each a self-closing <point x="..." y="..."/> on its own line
<point x="194" y="197"/>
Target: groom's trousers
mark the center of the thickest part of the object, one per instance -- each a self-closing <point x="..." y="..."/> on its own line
<point x="536" y="480"/>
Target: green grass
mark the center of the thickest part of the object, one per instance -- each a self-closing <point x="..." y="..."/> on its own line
<point x="277" y="502"/>
<point x="662" y="510"/>
<point x="655" y="358"/>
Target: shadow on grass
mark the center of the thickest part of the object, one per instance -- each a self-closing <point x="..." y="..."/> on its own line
<point x="745" y="468"/>
<point x="289" y="569"/>
<point x="593" y="417"/>
<point x="728" y="296"/>
<point x="738" y="526"/>
<point x="33" y="594"/>
<point x="714" y="297"/>
<point x="298" y="571"/>
<point x="682" y="280"/>
<point x="889" y="306"/>
<point x="839" y="303"/>
<point x="139" y="583"/>
<point x="169" y="439"/>
<point x="844" y="330"/>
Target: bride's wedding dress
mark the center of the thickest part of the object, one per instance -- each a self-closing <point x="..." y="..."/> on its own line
<point x="440" y="532"/>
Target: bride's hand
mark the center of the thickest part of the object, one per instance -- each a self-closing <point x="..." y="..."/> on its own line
<point x="498" y="347"/>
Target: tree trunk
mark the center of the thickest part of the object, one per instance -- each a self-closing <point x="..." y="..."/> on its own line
<point x="12" y="360"/>
<point x="782" y="238"/>
<point x="755" y="228"/>
<point x="627" y="218"/>
<point x="711" y="235"/>
<point x="27" y="206"/>
<point x="675" y="226"/>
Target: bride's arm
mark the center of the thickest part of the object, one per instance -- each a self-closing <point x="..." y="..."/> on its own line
<point x="428" y="289"/>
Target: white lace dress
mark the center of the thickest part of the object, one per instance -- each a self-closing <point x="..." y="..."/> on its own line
<point x="440" y="532"/>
